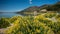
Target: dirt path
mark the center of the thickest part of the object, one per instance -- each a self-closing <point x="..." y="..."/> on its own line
<point x="2" y="31"/>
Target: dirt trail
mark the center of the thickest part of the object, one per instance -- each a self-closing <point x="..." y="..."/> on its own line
<point x="2" y="31"/>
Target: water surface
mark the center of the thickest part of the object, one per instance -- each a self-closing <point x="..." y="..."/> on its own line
<point x="8" y="14"/>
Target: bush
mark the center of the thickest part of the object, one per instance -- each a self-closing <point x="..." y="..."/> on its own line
<point x="4" y="23"/>
<point x="33" y="25"/>
<point x="27" y="26"/>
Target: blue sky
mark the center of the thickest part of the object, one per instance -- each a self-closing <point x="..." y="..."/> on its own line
<point x="18" y="5"/>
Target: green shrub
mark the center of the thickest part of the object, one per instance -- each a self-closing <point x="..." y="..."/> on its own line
<point x="4" y="23"/>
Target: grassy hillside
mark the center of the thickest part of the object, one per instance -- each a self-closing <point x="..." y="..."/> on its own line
<point x="47" y="23"/>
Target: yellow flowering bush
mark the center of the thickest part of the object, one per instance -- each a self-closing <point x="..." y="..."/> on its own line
<point x="27" y="26"/>
<point x="33" y="25"/>
<point x="53" y="25"/>
<point x="50" y="15"/>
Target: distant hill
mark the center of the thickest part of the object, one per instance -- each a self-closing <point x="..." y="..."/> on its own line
<point x="50" y="7"/>
<point x="29" y="9"/>
<point x="1" y="12"/>
<point x="54" y="7"/>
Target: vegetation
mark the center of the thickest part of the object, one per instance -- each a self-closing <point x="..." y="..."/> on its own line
<point x="40" y="24"/>
<point x="4" y="22"/>
<point x="54" y="7"/>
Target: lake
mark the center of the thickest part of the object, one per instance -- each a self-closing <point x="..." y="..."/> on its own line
<point x="8" y="14"/>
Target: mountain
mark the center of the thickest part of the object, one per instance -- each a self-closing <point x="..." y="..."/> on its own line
<point x="44" y="6"/>
<point x="48" y="7"/>
<point x="1" y="12"/>
<point x="54" y="7"/>
<point x="30" y="9"/>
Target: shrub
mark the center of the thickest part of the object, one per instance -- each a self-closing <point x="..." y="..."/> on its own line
<point x="4" y="23"/>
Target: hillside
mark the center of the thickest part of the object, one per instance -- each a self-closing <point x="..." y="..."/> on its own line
<point x="49" y="23"/>
<point x="54" y="7"/>
<point x="29" y="9"/>
<point x="48" y="7"/>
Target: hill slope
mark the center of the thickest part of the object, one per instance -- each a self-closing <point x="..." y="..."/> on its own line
<point x="51" y="7"/>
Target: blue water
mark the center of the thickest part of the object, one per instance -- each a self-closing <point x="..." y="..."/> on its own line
<point x="8" y="14"/>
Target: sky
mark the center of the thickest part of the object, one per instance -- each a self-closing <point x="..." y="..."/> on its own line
<point x="18" y="5"/>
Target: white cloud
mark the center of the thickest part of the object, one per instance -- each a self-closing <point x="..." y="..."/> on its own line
<point x="30" y="1"/>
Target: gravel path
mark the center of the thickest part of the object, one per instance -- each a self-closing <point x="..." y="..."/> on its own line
<point x="2" y="31"/>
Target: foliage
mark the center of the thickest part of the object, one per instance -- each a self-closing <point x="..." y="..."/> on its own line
<point x="50" y="15"/>
<point x="27" y="26"/>
<point x="39" y="24"/>
<point x="4" y="22"/>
